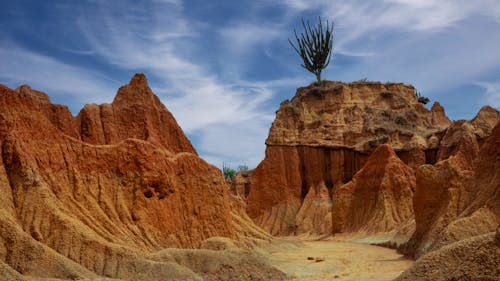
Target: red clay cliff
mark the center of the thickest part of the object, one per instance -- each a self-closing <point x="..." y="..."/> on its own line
<point x="89" y="195"/>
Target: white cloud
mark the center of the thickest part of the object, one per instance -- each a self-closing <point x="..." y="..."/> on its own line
<point x="357" y="19"/>
<point x="492" y="93"/>
<point x="235" y="144"/>
<point x="20" y="66"/>
<point x="243" y="37"/>
<point x="172" y="2"/>
<point x="206" y="102"/>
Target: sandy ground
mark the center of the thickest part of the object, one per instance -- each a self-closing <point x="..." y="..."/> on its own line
<point x="342" y="260"/>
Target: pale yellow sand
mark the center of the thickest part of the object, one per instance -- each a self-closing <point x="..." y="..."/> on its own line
<point x="343" y="260"/>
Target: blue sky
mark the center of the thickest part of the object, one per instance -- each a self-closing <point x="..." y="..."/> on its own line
<point x="223" y="67"/>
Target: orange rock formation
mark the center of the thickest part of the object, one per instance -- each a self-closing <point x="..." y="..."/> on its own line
<point x="475" y="258"/>
<point x="324" y="135"/>
<point x="458" y="197"/>
<point x="240" y="185"/>
<point x="379" y="197"/>
<point x="93" y="195"/>
<point x="134" y="113"/>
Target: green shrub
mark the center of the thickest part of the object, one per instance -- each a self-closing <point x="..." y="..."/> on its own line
<point x="386" y="94"/>
<point x="421" y="99"/>
<point x="244" y="169"/>
<point x="228" y="171"/>
<point x="400" y="120"/>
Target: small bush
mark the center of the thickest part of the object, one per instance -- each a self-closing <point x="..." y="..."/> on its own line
<point x="387" y="94"/>
<point x="243" y="168"/>
<point x="228" y="171"/>
<point x="400" y="120"/>
<point x="421" y="99"/>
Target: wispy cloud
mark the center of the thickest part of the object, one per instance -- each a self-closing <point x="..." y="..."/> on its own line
<point x="244" y="36"/>
<point x="21" y="66"/>
<point x="356" y="19"/>
<point x="492" y="93"/>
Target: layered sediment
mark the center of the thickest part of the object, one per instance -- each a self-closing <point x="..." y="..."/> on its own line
<point x="94" y="195"/>
<point x="324" y="135"/>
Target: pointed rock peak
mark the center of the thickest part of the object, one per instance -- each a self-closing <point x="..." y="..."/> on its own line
<point x="379" y="158"/>
<point x="488" y="108"/>
<point x="383" y="151"/>
<point x="136" y="91"/>
<point x="439" y="117"/>
<point x="437" y="107"/>
<point x="139" y="80"/>
<point x="485" y="120"/>
<point x="487" y="111"/>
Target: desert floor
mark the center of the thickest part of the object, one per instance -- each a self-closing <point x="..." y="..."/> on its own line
<point x="336" y="259"/>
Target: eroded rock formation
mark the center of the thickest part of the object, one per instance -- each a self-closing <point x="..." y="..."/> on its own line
<point x="134" y="113"/>
<point x="240" y="184"/>
<point x="457" y="198"/>
<point x="324" y="135"/>
<point x="476" y="258"/>
<point x="379" y="197"/>
<point x="91" y="196"/>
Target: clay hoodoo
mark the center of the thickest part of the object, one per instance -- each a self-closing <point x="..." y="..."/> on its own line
<point x="379" y="197"/>
<point x="475" y="258"/>
<point x="457" y="198"/>
<point x="325" y="134"/>
<point x="94" y="195"/>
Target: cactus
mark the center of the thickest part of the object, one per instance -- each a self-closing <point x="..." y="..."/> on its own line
<point x="314" y="46"/>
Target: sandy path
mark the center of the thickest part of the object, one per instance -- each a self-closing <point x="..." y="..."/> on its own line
<point x="342" y="261"/>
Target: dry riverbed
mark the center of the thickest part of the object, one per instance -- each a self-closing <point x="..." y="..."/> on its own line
<point x="336" y="260"/>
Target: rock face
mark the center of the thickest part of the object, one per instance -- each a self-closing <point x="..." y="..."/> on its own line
<point x="89" y="196"/>
<point x="315" y="213"/>
<point x="324" y="135"/>
<point x="240" y="184"/>
<point x="466" y="137"/>
<point x="336" y="114"/>
<point x="379" y="197"/>
<point x="134" y="113"/>
<point x="476" y="258"/>
<point x="458" y="197"/>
